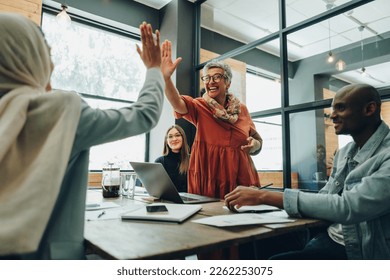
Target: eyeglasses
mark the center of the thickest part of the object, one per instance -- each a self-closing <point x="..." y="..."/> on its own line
<point x="171" y="136"/>
<point x="216" y="78"/>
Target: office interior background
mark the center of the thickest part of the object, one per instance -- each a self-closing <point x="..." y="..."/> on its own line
<point x="289" y="57"/>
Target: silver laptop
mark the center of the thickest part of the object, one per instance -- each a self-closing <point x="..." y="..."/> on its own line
<point x="158" y="184"/>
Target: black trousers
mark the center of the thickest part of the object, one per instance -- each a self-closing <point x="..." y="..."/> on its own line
<point x="321" y="247"/>
<point x="263" y="249"/>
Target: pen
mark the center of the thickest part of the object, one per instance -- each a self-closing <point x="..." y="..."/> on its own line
<point x="265" y="186"/>
<point x="101" y="214"/>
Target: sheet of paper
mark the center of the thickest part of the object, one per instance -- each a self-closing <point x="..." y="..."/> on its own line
<point x="279" y="214"/>
<point x="110" y="213"/>
<point x="99" y="206"/>
<point x="242" y="219"/>
<point x="256" y="208"/>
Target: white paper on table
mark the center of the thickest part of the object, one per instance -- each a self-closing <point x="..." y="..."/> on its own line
<point x="101" y="205"/>
<point x="279" y="214"/>
<point x="110" y="213"/>
<point x="242" y="219"/>
<point x="255" y="208"/>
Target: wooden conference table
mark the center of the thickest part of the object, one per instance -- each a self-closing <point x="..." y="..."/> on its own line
<point x="130" y="239"/>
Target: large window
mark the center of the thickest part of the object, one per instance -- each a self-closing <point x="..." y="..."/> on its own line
<point x="106" y="70"/>
<point x="271" y="157"/>
<point x="262" y="92"/>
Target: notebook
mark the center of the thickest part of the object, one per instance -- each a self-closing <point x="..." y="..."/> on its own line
<point x="158" y="184"/>
<point x="176" y="213"/>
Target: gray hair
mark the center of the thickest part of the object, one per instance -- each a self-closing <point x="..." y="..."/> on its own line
<point x="219" y="64"/>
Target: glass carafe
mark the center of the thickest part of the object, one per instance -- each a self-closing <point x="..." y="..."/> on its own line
<point x="111" y="180"/>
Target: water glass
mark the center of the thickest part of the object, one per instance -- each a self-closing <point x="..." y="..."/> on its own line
<point x="128" y="185"/>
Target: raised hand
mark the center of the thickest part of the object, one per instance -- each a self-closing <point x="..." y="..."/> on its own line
<point x="167" y="66"/>
<point x="151" y="52"/>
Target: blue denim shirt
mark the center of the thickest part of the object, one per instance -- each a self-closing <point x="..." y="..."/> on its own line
<point x="357" y="196"/>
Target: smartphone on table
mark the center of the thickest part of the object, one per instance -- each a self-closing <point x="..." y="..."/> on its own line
<point x="156" y="208"/>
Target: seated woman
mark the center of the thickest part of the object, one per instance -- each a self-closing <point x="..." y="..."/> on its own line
<point x="176" y="157"/>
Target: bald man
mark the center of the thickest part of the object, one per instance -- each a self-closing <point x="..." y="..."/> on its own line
<point x="356" y="199"/>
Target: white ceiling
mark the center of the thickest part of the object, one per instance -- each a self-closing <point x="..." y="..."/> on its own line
<point x="249" y="20"/>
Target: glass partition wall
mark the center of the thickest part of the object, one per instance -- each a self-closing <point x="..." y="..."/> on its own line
<point x="289" y="59"/>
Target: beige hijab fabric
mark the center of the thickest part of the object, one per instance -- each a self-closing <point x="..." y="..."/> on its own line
<point x="37" y="132"/>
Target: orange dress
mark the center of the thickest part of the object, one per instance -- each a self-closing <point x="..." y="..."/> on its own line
<point x="217" y="163"/>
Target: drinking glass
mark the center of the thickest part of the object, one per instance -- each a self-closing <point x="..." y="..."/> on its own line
<point x="128" y="185"/>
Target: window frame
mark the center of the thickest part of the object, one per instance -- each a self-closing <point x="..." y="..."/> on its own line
<point x="108" y="27"/>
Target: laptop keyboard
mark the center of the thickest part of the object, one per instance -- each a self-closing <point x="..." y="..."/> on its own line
<point x="186" y="198"/>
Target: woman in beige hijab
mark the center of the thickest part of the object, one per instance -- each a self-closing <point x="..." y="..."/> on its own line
<point x="45" y="141"/>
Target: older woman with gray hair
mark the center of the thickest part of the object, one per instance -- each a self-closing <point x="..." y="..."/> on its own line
<point x="226" y="135"/>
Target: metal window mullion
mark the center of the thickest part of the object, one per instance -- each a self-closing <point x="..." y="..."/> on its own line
<point x="286" y="145"/>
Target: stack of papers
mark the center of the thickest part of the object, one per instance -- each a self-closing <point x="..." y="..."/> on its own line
<point x="243" y="219"/>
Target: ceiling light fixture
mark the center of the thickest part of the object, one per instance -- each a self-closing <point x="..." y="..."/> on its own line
<point x="329" y="5"/>
<point x="363" y="69"/>
<point x="63" y="18"/>
<point x="340" y="65"/>
<point x="330" y="54"/>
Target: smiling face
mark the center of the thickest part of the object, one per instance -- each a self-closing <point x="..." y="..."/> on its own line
<point x="348" y="114"/>
<point x="174" y="140"/>
<point x="356" y="111"/>
<point x="217" y="89"/>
